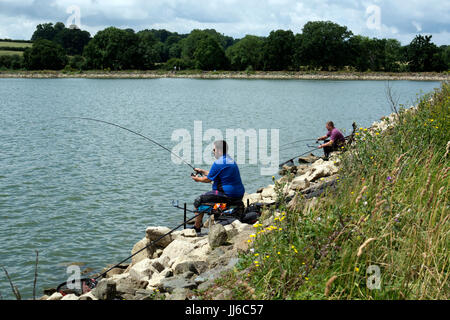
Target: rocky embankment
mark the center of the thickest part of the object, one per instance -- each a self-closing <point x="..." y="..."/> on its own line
<point x="184" y="263"/>
<point x="304" y="75"/>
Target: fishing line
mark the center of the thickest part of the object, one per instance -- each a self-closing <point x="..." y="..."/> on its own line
<point x="136" y="133"/>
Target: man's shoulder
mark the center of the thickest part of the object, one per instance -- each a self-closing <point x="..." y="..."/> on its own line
<point x="225" y="161"/>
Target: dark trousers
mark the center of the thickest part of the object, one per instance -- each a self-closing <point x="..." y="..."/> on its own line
<point x="335" y="147"/>
<point x="214" y="196"/>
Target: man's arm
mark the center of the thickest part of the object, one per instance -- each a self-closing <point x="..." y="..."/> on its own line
<point x="328" y="144"/>
<point x="203" y="179"/>
<point x="322" y="138"/>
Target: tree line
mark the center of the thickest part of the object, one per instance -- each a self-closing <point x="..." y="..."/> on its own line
<point x="322" y="45"/>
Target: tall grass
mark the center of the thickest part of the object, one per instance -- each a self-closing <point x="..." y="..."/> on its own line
<point x="389" y="214"/>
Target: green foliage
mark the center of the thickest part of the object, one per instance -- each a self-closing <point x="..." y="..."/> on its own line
<point x="279" y="50"/>
<point x="203" y="50"/>
<point x="423" y="55"/>
<point x="247" y="52"/>
<point x="73" y="40"/>
<point x="44" y="55"/>
<point x="115" y="49"/>
<point x="324" y="44"/>
<point x="390" y="210"/>
<point x="12" y="62"/>
<point x="209" y="55"/>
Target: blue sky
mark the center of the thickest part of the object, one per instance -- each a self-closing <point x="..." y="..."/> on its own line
<point x="399" y="19"/>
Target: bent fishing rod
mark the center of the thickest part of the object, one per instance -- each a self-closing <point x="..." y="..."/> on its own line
<point x="291" y="160"/>
<point x="152" y="243"/>
<point x="303" y="140"/>
<point x="136" y="133"/>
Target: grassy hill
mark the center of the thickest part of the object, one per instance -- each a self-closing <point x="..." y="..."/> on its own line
<point x="383" y="234"/>
<point x="13" y="47"/>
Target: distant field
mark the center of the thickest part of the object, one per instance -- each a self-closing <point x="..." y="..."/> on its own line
<point x="15" y="44"/>
<point x="12" y="44"/>
<point x="10" y="53"/>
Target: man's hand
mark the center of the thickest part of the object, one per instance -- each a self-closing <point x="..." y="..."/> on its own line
<point x="202" y="171"/>
<point x="203" y="179"/>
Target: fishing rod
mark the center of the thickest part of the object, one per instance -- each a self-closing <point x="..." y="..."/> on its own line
<point x="136" y="133"/>
<point x="346" y="138"/>
<point x="93" y="282"/>
<point x="291" y="147"/>
<point x="291" y="160"/>
<point x="303" y="140"/>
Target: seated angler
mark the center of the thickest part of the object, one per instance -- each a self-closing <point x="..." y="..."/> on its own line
<point x="336" y="139"/>
<point x="227" y="187"/>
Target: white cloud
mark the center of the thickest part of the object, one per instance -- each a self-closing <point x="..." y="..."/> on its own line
<point x="399" y="19"/>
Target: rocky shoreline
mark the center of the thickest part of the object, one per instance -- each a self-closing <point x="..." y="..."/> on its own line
<point x="183" y="263"/>
<point x="320" y="75"/>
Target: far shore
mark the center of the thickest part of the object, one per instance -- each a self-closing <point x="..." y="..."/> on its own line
<point x="195" y="74"/>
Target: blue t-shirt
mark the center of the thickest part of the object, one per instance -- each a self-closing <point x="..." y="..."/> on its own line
<point x="227" y="179"/>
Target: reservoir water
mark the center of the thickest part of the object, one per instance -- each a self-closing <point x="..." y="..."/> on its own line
<point x="84" y="192"/>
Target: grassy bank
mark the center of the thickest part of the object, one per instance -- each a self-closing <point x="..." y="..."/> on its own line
<point x="136" y="74"/>
<point x="383" y="234"/>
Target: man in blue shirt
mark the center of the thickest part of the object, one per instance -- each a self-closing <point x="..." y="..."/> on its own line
<point x="227" y="186"/>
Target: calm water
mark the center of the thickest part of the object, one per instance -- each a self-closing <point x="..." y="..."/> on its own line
<point x="84" y="192"/>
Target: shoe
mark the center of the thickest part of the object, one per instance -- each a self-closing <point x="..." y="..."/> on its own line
<point x="198" y="230"/>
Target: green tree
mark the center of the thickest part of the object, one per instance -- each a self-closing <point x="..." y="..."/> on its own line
<point x="148" y="50"/>
<point x="324" y="44"/>
<point x="423" y="55"/>
<point x="13" y="62"/>
<point x="45" y="54"/>
<point x="45" y="31"/>
<point x="246" y="52"/>
<point x="113" y="48"/>
<point x="72" y="40"/>
<point x="209" y="55"/>
<point x="279" y="50"/>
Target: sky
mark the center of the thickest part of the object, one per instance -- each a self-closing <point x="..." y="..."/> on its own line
<point x="398" y="19"/>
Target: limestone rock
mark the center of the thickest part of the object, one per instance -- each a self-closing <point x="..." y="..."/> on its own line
<point x="144" y="254"/>
<point x="70" y="297"/>
<point x="154" y="233"/>
<point x="300" y="183"/>
<point x="217" y="236"/>
<point x="87" y="296"/>
<point x="269" y="192"/>
<point x="105" y="290"/>
<point x="143" y="269"/>
<point x="177" y="249"/>
<point x="55" y="296"/>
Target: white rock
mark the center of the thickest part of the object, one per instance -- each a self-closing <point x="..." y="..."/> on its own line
<point x="253" y="198"/>
<point x="268" y="201"/>
<point x="154" y="233"/>
<point x="143" y="269"/>
<point x="188" y="233"/>
<point x="268" y="192"/>
<point x="146" y="253"/>
<point x="88" y="296"/>
<point x="55" y="296"/>
<point x="239" y="226"/>
<point x="176" y="249"/>
<point x="300" y="183"/>
<point x="70" y="297"/>
<point x="155" y="281"/>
